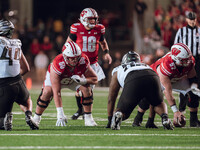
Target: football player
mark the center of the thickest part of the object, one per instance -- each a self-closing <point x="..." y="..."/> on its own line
<point x="176" y="72"/>
<point x="88" y="34"/>
<point x="12" y="87"/>
<point x="72" y="70"/>
<point x="138" y="81"/>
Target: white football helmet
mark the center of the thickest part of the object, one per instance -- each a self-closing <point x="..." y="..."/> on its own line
<point x="181" y="54"/>
<point x="86" y="14"/>
<point x="71" y="53"/>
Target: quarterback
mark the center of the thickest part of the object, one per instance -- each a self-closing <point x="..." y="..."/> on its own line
<point x="88" y="34"/>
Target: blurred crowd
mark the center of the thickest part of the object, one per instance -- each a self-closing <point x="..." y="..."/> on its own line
<point x="158" y="40"/>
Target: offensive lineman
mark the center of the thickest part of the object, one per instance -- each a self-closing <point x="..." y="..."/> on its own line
<point x="12" y="87"/>
<point x="138" y="81"/>
<point x="72" y="70"/>
<point x="88" y="34"/>
<point x="176" y="71"/>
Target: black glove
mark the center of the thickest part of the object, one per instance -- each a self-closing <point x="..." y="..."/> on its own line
<point x="109" y="121"/>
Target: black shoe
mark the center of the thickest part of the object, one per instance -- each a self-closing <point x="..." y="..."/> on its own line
<point x="31" y="122"/>
<point x="77" y="114"/>
<point x="150" y="125"/>
<point x="195" y="123"/>
<point x="137" y="123"/>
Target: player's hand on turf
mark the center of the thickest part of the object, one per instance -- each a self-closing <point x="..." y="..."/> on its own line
<point x="61" y="121"/>
<point x="79" y="80"/>
<point x="61" y="118"/>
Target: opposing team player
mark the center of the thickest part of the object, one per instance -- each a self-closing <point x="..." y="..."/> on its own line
<point x="88" y="34"/>
<point x="12" y="87"/>
<point x="138" y="81"/>
<point x="72" y="70"/>
<point x="176" y="71"/>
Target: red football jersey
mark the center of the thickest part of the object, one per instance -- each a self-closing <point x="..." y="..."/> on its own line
<point x="168" y="67"/>
<point x="64" y="71"/>
<point x="88" y="40"/>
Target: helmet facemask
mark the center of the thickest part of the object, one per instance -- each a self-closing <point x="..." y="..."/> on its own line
<point x="72" y="61"/>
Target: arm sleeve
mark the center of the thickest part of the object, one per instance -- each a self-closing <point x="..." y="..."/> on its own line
<point x="73" y="36"/>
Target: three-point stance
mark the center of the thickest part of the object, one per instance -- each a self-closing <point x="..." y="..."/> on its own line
<point x="72" y="70"/>
<point x="139" y="82"/>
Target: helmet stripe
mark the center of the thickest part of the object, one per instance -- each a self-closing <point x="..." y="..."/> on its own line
<point x="184" y="46"/>
<point x="93" y="11"/>
<point x="73" y="47"/>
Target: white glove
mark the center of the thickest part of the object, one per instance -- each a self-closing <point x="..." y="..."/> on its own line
<point x="195" y="90"/>
<point x="61" y="118"/>
<point x="79" y="80"/>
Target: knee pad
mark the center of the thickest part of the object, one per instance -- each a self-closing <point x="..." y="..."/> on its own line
<point x="144" y="104"/>
<point x="85" y="99"/>
<point x="193" y="100"/>
<point x="45" y="103"/>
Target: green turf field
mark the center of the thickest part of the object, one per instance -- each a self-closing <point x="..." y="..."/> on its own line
<point x="76" y="136"/>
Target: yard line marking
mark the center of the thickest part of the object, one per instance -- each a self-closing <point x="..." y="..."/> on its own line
<point x="98" y="147"/>
<point x="100" y="135"/>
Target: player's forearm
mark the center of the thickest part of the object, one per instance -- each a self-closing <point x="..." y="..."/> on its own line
<point x="58" y="100"/>
<point x="92" y="80"/>
<point x="170" y="99"/>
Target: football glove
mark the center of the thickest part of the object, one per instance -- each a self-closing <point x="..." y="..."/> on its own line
<point x="195" y="89"/>
<point x="61" y="118"/>
<point x="79" y="80"/>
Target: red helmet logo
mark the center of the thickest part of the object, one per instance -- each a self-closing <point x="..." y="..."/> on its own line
<point x="175" y="51"/>
<point x="83" y="13"/>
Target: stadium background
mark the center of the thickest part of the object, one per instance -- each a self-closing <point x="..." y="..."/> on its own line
<point x="149" y="32"/>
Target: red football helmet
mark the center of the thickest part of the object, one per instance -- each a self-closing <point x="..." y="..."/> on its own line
<point x="181" y="54"/>
<point x="71" y="53"/>
<point x="86" y="14"/>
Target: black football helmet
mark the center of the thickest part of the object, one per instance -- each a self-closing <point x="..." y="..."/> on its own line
<point x="6" y="28"/>
<point x="131" y="57"/>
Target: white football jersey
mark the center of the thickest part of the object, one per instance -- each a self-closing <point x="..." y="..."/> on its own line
<point x="10" y="54"/>
<point x="122" y="71"/>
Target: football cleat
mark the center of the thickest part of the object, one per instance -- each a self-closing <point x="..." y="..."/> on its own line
<point x="167" y="124"/>
<point x="30" y="121"/>
<point x="116" y="121"/>
<point x="151" y="125"/>
<point x="8" y="121"/>
<point x="195" y="123"/>
<point x="78" y="114"/>
<point x="137" y="122"/>
<point x="89" y="121"/>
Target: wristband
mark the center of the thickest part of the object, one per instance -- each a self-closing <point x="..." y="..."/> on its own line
<point x="174" y="108"/>
<point x="60" y="110"/>
<point x="106" y="51"/>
